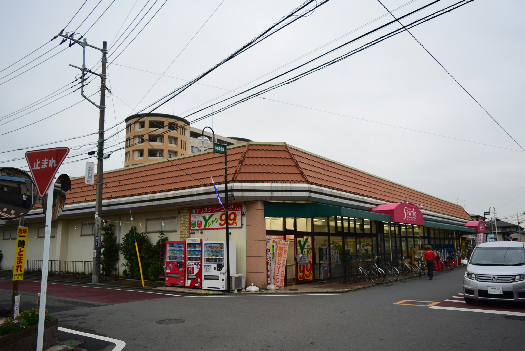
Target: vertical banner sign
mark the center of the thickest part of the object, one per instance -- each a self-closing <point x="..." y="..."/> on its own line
<point x="269" y="260"/>
<point x="280" y="263"/>
<point x="20" y="256"/>
<point x="214" y="217"/>
<point x="90" y="173"/>
<point x="305" y="272"/>
<point x="480" y="239"/>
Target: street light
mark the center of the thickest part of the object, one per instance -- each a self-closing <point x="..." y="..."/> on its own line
<point x="218" y="148"/>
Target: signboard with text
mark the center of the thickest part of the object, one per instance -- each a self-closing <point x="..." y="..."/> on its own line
<point x="20" y="255"/>
<point x="214" y="217"/>
<point x="44" y="165"/>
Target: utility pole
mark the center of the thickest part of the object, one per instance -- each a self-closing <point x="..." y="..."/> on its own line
<point x="100" y="144"/>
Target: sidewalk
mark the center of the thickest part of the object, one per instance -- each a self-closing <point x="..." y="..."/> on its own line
<point x="336" y="285"/>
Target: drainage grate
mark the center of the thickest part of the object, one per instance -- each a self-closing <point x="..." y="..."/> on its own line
<point x="515" y="318"/>
<point x="170" y="321"/>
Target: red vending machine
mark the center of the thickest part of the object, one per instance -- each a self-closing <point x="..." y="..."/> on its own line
<point x="194" y="263"/>
<point x="175" y="263"/>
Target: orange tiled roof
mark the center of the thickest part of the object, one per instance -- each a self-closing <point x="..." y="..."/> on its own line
<point x="254" y="163"/>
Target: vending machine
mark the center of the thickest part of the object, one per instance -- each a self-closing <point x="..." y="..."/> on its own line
<point x="194" y="263"/>
<point x="175" y="263"/>
<point x="214" y="264"/>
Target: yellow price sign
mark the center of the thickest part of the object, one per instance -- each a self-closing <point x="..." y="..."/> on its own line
<point x="20" y="255"/>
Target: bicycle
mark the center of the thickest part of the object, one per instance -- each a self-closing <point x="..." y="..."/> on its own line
<point x="410" y="267"/>
<point x="376" y="273"/>
<point x="391" y="271"/>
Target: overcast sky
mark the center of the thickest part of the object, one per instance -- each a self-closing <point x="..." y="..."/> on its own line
<point x="392" y="110"/>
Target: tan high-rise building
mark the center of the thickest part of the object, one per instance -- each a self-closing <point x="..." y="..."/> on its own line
<point x="155" y="136"/>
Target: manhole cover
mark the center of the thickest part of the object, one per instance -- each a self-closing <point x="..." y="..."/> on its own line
<point x="170" y="321"/>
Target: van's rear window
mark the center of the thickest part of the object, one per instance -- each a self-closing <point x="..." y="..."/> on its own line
<point x="498" y="256"/>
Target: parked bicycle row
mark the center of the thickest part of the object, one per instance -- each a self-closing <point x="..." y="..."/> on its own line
<point x="363" y="268"/>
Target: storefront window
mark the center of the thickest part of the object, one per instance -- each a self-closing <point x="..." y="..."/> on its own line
<point x="320" y="225"/>
<point x="350" y="249"/>
<point x="336" y="251"/>
<point x="374" y="229"/>
<point x="331" y="223"/>
<point x="366" y="225"/>
<point x="322" y="257"/>
<point x="359" y="225"/>
<point x="274" y="223"/>
<point x="345" y="224"/>
<point x="290" y="223"/>
<point x="351" y="227"/>
<point x="304" y="224"/>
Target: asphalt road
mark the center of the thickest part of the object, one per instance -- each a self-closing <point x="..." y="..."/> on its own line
<point x="396" y="316"/>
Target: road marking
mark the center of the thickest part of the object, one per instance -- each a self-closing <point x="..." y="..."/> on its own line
<point x="479" y="310"/>
<point x="416" y="303"/>
<point x="334" y="294"/>
<point x="458" y="301"/>
<point x="119" y="344"/>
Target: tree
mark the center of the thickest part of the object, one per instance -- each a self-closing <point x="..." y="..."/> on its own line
<point x="109" y="250"/>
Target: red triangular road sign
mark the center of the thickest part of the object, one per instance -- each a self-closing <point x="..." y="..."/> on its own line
<point x="44" y="165"/>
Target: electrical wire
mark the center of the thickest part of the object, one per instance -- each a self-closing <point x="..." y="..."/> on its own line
<point x="41" y="100"/>
<point x="98" y="19"/>
<point x="176" y="57"/>
<point x="250" y="44"/>
<point x="333" y="61"/>
<point x="155" y="14"/>
<point x="312" y="60"/>
<point x="45" y="118"/>
<point x="451" y="76"/>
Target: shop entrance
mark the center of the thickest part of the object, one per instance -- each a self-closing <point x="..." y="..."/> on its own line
<point x="304" y="269"/>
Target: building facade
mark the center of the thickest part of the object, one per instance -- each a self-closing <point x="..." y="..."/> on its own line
<point x="155" y="136"/>
<point x="331" y="213"/>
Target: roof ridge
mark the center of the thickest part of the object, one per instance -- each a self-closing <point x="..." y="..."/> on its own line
<point x="297" y="164"/>
<point x="241" y="162"/>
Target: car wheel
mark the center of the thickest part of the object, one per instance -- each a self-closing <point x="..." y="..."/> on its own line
<point x="469" y="301"/>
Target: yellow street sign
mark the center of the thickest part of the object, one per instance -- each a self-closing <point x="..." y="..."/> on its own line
<point x="20" y="255"/>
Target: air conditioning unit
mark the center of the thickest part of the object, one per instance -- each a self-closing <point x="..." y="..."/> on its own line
<point x="237" y="282"/>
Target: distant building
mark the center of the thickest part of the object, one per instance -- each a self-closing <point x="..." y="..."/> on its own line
<point x="196" y="132"/>
<point x="156" y="136"/>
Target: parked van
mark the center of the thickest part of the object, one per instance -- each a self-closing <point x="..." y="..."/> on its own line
<point x="496" y="271"/>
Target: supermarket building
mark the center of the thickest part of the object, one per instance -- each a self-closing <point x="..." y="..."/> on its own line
<point x="286" y="193"/>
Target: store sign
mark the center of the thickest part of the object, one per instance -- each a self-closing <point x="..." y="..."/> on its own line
<point x="214" y="217"/>
<point x="20" y="255"/>
<point x="403" y="212"/>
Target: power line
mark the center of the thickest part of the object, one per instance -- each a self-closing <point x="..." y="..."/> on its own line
<point x="176" y="57"/>
<point x="333" y="61"/>
<point x="451" y="76"/>
<point x="309" y="61"/>
<point x="43" y="119"/>
<point x="155" y="14"/>
<point x="245" y="47"/>
<point x="32" y="52"/>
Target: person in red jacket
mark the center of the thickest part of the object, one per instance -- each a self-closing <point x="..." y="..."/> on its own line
<point x="430" y="256"/>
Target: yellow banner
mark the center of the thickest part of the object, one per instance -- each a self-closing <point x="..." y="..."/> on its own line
<point x="20" y="256"/>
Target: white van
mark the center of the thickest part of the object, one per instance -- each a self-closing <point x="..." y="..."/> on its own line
<point x="496" y="271"/>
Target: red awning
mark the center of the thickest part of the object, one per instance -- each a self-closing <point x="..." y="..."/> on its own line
<point x="403" y="212"/>
<point x="478" y="225"/>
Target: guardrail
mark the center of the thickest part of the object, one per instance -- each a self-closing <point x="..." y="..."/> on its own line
<point x="61" y="267"/>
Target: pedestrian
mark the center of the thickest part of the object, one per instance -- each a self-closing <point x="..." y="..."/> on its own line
<point x="430" y="256"/>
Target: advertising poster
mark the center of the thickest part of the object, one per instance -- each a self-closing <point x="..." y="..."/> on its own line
<point x="280" y="263"/>
<point x="214" y="217"/>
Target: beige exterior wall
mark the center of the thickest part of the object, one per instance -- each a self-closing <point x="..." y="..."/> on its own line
<point x="69" y="245"/>
<point x="256" y="245"/>
<point x="140" y="126"/>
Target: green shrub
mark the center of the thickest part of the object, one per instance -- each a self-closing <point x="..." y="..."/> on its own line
<point x="110" y="250"/>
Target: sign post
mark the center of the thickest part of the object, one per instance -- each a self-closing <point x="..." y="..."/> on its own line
<point x="44" y="165"/>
